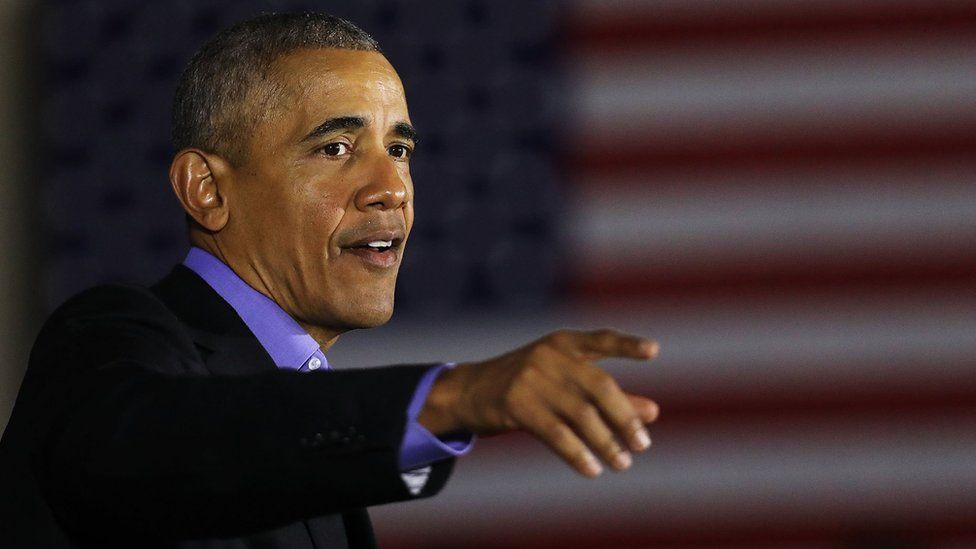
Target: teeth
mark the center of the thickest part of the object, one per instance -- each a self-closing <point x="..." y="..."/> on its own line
<point x="380" y="244"/>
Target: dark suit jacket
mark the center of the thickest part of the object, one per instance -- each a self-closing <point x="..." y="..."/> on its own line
<point x="155" y="418"/>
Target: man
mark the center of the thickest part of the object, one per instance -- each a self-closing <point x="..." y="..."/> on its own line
<point x="202" y="412"/>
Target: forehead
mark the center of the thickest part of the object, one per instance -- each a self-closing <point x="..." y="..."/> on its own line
<point x="324" y="82"/>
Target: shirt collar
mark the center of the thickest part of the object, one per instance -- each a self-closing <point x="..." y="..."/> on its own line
<point x="289" y="345"/>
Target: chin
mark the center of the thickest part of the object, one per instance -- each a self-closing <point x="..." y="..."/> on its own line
<point x="374" y="318"/>
<point x="368" y="313"/>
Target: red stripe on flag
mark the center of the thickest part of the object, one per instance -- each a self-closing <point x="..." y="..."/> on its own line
<point x="597" y="285"/>
<point x="831" y="402"/>
<point x="720" y="27"/>
<point x="895" y="145"/>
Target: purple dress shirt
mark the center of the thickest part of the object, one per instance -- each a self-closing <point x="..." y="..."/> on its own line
<point x="292" y="348"/>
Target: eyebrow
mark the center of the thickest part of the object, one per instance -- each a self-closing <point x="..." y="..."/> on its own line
<point x="406" y="131"/>
<point x="400" y="129"/>
<point x="334" y="124"/>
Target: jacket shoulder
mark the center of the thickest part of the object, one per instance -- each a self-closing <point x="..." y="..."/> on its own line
<point x="112" y="323"/>
<point x="110" y="299"/>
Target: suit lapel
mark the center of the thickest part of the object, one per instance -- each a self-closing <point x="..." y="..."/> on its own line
<point x="225" y="343"/>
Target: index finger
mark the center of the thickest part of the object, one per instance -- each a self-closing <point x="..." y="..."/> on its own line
<point x="611" y="343"/>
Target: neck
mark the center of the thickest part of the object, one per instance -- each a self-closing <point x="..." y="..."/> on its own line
<point x="324" y="336"/>
<point x="207" y="243"/>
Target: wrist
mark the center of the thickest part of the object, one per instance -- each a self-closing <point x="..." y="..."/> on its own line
<point x="439" y="413"/>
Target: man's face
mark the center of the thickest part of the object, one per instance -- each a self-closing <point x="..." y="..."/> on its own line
<point x="326" y="175"/>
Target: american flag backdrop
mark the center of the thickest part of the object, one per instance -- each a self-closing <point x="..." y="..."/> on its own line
<point x="783" y="194"/>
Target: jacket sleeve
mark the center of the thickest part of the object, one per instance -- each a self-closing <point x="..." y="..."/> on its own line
<point x="130" y="439"/>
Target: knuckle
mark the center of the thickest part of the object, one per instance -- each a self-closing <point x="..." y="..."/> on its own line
<point x="514" y="401"/>
<point x="584" y="413"/>
<point x="526" y="377"/>
<point x="603" y="383"/>
<point x="605" y="336"/>
<point x="558" y="337"/>
<point x="537" y="354"/>
<point x="558" y="433"/>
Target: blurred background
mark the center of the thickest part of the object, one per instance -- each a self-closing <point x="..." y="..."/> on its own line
<point x="782" y="193"/>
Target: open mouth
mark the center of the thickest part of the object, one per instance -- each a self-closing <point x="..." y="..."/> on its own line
<point x="378" y="253"/>
<point x="379" y="245"/>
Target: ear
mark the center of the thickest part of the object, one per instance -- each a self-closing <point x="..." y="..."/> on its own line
<point x="201" y="182"/>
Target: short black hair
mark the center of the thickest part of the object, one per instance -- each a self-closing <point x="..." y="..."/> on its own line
<point x="222" y="80"/>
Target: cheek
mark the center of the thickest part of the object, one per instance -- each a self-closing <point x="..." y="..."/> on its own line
<point x="409" y="213"/>
<point x="319" y="216"/>
<point x="408" y="183"/>
<point x="408" y="216"/>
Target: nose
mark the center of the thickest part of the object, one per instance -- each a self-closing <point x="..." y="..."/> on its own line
<point x="385" y="188"/>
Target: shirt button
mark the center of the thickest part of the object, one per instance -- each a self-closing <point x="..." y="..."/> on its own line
<point x="314" y="363"/>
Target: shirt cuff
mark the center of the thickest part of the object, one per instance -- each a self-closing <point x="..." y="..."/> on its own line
<point x="420" y="447"/>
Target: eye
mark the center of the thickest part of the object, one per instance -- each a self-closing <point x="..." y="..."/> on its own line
<point x="400" y="152"/>
<point x="334" y="149"/>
